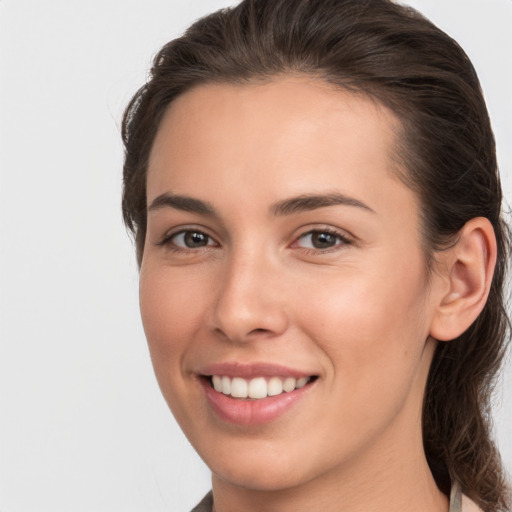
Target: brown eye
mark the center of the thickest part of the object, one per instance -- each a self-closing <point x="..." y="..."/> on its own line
<point x="321" y="240"/>
<point x="191" y="239"/>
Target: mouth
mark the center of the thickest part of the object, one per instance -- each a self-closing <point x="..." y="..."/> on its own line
<point x="257" y="388"/>
<point x="250" y="395"/>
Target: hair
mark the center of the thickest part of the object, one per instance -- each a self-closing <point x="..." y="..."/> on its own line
<point x="447" y="153"/>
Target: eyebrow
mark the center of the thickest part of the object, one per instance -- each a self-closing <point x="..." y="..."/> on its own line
<point x="302" y="203"/>
<point x="308" y="202"/>
<point x="183" y="203"/>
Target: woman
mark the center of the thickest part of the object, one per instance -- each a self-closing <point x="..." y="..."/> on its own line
<point x="313" y="189"/>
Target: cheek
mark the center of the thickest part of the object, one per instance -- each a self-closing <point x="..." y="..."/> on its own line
<point x="171" y="310"/>
<point x="371" y="323"/>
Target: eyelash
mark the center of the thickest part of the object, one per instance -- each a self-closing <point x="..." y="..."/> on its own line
<point x="342" y="240"/>
<point x="167" y="241"/>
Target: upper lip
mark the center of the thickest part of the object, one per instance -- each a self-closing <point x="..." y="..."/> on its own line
<point x="249" y="371"/>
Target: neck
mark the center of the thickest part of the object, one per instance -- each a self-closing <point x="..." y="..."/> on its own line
<point x="393" y="485"/>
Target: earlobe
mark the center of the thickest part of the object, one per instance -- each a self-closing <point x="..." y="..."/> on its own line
<point x="469" y="267"/>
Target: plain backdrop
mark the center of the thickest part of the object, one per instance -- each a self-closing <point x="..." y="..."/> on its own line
<point x="82" y="424"/>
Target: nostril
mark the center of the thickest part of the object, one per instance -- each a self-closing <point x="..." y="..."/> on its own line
<point x="259" y="331"/>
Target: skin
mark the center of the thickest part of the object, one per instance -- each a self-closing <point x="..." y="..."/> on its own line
<point x="358" y="315"/>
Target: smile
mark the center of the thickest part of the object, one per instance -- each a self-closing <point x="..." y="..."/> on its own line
<point x="257" y="388"/>
<point x="255" y="394"/>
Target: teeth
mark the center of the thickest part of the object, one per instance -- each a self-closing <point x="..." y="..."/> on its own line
<point x="289" y="384"/>
<point x="217" y="383"/>
<point x="302" y="382"/>
<point x="258" y="387"/>
<point x="226" y="385"/>
<point x="238" y="387"/>
<point x="274" y="386"/>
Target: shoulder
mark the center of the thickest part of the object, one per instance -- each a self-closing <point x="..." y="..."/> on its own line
<point x="459" y="502"/>
<point x="205" y="505"/>
<point x="469" y="506"/>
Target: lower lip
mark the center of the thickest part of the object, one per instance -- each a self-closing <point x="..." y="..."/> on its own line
<point x="251" y="412"/>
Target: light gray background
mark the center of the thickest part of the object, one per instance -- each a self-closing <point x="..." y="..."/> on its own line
<point x="82" y="424"/>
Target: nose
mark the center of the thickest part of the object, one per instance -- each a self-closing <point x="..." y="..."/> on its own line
<point x="250" y="300"/>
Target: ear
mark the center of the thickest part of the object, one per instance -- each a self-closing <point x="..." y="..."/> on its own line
<point x="467" y="269"/>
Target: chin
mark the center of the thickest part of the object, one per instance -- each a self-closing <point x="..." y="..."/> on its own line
<point x="259" y="477"/>
<point x="261" y="468"/>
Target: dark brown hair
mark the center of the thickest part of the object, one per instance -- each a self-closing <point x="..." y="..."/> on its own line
<point x="446" y="146"/>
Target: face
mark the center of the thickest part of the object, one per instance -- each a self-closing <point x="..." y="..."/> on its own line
<point x="283" y="287"/>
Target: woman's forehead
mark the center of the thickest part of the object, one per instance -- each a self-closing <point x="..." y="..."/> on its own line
<point x="288" y="127"/>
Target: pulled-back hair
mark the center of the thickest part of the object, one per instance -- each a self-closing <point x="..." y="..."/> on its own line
<point x="446" y="149"/>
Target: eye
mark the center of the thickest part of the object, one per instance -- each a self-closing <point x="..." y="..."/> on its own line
<point x="189" y="239"/>
<point x="321" y="240"/>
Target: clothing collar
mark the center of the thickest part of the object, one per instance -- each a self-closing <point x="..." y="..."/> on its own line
<point x="456" y="498"/>
<point x="456" y="501"/>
